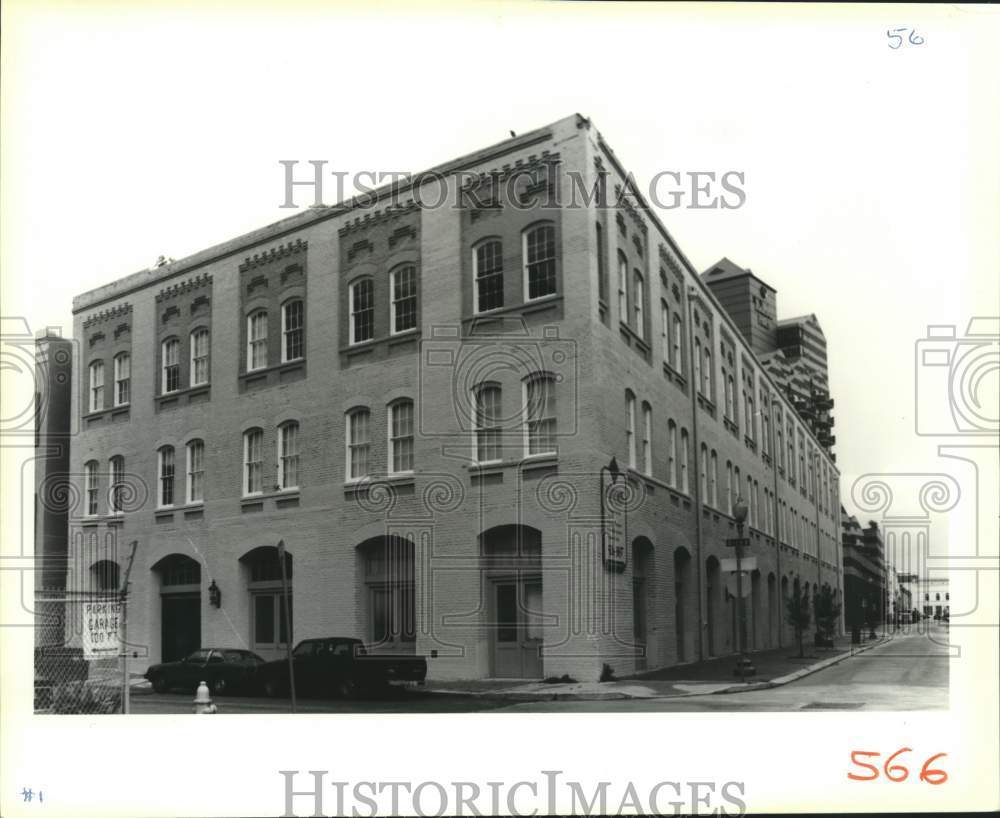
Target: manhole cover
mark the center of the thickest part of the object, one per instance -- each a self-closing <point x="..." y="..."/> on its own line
<point x="833" y="706"/>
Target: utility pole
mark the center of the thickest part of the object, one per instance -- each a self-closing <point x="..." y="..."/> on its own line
<point x="123" y="596"/>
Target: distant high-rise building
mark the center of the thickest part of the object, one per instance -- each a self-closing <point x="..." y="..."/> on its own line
<point x="793" y="350"/>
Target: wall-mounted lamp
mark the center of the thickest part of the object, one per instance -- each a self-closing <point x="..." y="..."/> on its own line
<point x="214" y="595"/>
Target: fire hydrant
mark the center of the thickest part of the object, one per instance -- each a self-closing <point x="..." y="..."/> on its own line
<point x="202" y="701"/>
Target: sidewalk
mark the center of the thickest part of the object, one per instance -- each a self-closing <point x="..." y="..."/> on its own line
<point x="774" y="667"/>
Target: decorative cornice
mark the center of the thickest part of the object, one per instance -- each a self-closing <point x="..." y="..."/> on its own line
<point x="114" y="313"/>
<point x="184" y="287"/>
<point x="375" y="217"/>
<point x="628" y="207"/>
<point x="273" y="254"/>
<point x="533" y="162"/>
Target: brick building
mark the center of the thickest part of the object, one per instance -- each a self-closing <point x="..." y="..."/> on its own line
<point x="419" y="401"/>
<point x="866" y="587"/>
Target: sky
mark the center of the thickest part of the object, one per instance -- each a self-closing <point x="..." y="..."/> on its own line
<point x="871" y="175"/>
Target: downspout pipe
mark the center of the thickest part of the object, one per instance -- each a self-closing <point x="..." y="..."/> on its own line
<point x="698" y="499"/>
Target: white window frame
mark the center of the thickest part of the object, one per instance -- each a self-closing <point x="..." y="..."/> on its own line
<point x="190" y="471"/>
<point x="623" y="312"/>
<point x="479" y="428"/>
<point x="392" y="438"/>
<point x="165" y="365"/>
<point x="638" y="303"/>
<point x="261" y="340"/>
<point x="475" y="275"/>
<point x="91" y="488"/>
<point x="348" y="437"/>
<point x="286" y="332"/>
<point x="122" y="361"/>
<point x="685" y="456"/>
<point x="630" y="444"/>
<point x="115" y="480"/>
<point x="665" y="331"/>
<point x="96" y="379"/>
<point x="393" y="275"/>
<point x="677" y="355"/>
<point x="525" y="263"/>
<point x="647" y="439"/>
<point x="672" y="454"/>
<point x="247" y="462"/>
<point x="352" y="320"/>
<point x="285" y="430"/>
<point x="197" y="359"/>
<point x="161" y="462"/>
<point x="713" y="478"/>
<point x="526" y="385"/>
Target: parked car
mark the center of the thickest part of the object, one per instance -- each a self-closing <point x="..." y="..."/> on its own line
<point x="339" y="666"/>
<point x="224" y="670"/>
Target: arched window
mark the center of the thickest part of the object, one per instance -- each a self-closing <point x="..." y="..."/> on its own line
<point x="539" y="261"/>
<point x="199" y="356"/>
<point x="403" y="304"/>
<point x="602" y="284"/>
<point x="639" y="298"/>
<point x="676" y="359"/>
<point x="791" y="452"/>
<point x="488" y="409"/>
<point x="706" y="374"/>
<point x="540" y="414"/>
<point x="703" y="473"/>
<point x="729" y="487"/>
<point x="165" y="495"/>
<point x="685" y="487"/>
<point x="647" y="439"/>
<point x="358" y="443"/>
<point x="665" y="332"/>
<point x="253" y="462"/>
<point x="487" y="275"/>
<point x="362" y="318"/>
<point x="765" y="428"/>
<point x="697" y="365"/>
<point x="170" y="362"/>
<point x="96" y="386"/>
<point x="195" y="471"/>
<point x="672" y="453"/>
<point x="630" y="446"/>
<point x="123" y="379"/>
<point x="293" y="334"/>
<point x="780" y="443"/>
<point x="622" y="288"/>
<point x="730" y="398"/>
<point x="257" y="340"/>
<point x="116" y="484"/>
<point x="288" y="455"/>
<point x="752" y="512"/>
<point x="90" y="486"/>
<point x="751" y="419"/>
<point x="401" y="437"/>
<point x="713" y="478"/>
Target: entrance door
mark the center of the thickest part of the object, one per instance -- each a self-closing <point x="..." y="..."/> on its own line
<point x="180" y="630"/>
<point x="517" y="639"/>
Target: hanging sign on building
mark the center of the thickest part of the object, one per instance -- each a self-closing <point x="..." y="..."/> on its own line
<point x="101" y="623"/>
<point x="615" y="545"/>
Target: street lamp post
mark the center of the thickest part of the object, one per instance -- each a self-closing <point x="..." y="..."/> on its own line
<point x="744" y="667"/>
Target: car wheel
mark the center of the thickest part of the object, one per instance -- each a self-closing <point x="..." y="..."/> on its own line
<point x="272" y="689"/>
<point x="218" y="687"/>
<point x="160" y="684"/>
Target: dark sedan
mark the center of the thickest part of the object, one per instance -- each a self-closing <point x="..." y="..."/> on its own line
<point x="224" y="670"/>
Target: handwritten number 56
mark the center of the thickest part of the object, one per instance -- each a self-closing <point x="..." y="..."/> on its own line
<point x="896" y="772"/>
<point x="894" y="34"/>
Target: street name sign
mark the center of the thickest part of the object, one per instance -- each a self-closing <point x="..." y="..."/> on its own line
<point x="744" y="541"/>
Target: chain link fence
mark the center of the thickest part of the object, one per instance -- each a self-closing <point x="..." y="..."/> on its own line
<point x="80" y="667"/>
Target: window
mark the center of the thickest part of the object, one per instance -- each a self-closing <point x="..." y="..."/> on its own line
<point x="362" y="311"/>
<point x="403" y="305"/>
<point x="685" y="487"/>
<point x="401" y="437"/>
<point x="357" y="443"/>
<point x="672" y="453"/>
<point x="736" y="485"/>
<point x="170" y="380"/>
<point x="253" y="461"/>
<point x="665" y="331"/>
<point x="292" y="332"/>
<point x="166" y="458"/>
<point x="123" y="379"/>
<point x="780" y="443"/>
<point x="97" y="386"/>
<point x="90" y="486"/>
<point x="540" y="261"/>
<point x="703" y="473"/>
<point x="602" y="284"/>
<point x="810" y="483"/>
<point x="257" y="340"/>
<point x="676" y="360"/>
<point x="199" y="357"/>
<point x="540" y="411"/>
<point x="288" y="456"/>
<point x="706" y="374"/>
<point x="758" y="518"/>
<point x="713" y="479"/>
<point x="270" y="628"/>
<point x="639" y="299"/>
<point x="630" y="428"/>
<point x="697" y="364"/>
<point x="751" y="513"/>
<point x="622" y="288"/>
<point x="116" y="479"/>
<point x="765" y="428"/>
<point x="195" y="471"/>
<point x="488" y="407"/>
<point x="751" y="430"/>
<point x="729" y="487"/>
<point x="730" y="398"/>
<point x="791" y="452"/>
<point x="802" y="460"/>
<point x="647" y="439"/>
<point x="487" y="275"/>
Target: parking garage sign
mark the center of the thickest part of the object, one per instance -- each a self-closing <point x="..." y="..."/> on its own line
<point x="101" y="622"/>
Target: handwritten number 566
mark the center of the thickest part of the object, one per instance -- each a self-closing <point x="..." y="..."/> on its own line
<point x="897" y="772"/>
<point x="894" y="34"/>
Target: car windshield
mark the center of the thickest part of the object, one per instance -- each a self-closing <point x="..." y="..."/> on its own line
<point x="198" y="656"/>
<point x="304" y="649"/>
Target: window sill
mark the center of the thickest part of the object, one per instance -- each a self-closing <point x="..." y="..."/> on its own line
<point x="362" y="485"/>
<point x="163" y="514"/>
<point x="272" y="375"/>
<point x="181" y="396"/>
<point x="112" y="413"/>
<point x="526" y="463"/>
<point x="543" y="304"/>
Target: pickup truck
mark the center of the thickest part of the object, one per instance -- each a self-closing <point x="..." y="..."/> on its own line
<point x="341" y="666"/>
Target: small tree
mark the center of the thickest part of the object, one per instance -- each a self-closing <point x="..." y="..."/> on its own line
<point x="827" y="612"/>
<point x="797" y="614"/>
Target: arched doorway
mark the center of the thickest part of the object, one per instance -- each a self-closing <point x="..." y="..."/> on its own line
<point x="682" y="592"/>
<point x="713" y="591"/>
<point x="180" y="606"/>
<point x="389" y="601"/>
<point x="512" y="567"/>
<point x="642" y="572"/>
<point x="271" y="629"/>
